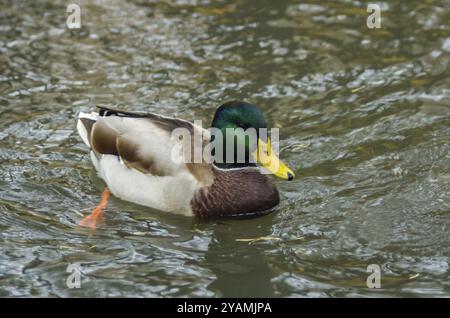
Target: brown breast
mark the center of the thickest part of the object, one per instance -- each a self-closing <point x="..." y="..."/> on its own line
<point x="235" y="192"/>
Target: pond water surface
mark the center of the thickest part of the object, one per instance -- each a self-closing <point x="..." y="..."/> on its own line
<point x="364" y="117"/>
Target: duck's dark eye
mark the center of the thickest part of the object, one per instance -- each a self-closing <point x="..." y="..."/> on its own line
<point x="242" y="125"/>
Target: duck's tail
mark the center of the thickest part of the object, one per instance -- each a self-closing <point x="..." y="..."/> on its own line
<point x="84" y="126"/>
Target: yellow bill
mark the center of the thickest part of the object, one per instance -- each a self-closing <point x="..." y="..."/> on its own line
<point x="267" y="158"/>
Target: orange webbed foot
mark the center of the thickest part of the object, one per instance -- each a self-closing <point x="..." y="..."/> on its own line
<point x="96" y="217"/>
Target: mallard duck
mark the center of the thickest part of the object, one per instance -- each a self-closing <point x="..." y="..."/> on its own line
<point x="133" y="153"/>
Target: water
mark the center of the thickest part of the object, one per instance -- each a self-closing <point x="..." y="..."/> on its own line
<point x="364" y="118"/>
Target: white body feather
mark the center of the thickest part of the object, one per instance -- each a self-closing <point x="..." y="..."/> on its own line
<point x="171" y="192"/>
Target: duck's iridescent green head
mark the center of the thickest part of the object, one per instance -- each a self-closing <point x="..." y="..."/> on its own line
<point x="235" y="115"/>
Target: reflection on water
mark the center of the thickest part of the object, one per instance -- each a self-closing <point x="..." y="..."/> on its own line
<point x="364" y="117"/>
